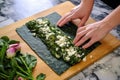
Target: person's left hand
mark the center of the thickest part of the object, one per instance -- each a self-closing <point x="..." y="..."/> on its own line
<point x="94" y="32"/>
<point x="80" y="12"/>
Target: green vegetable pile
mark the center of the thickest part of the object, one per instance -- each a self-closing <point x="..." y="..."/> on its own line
<point x="15" y="65"/>
<point x="58" y="43"/>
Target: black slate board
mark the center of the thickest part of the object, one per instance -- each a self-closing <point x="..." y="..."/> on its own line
<point x="58" y="66"/>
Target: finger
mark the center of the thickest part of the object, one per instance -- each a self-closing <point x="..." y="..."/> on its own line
<point x="61" y="19"/>
<point x="65" y="20"/>
<point x="81" y="29"/>
<point x="82" y="40"/>
<point x="80" y="32"/>
<point x="88" y="44"/>
<point x="79" y="36"/>
<point x="82" y="22"/>
<point x="76" y="7"/>
<point x="87" y="36"/>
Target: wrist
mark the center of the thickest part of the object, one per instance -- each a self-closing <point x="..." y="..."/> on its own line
<point x="108" y="25"/>
<point x="113" y="19"/>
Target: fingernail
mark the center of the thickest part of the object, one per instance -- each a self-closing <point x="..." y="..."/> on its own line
<point x="58" y="25"/>
<point x="76" y="44"/>
<point x="73" y="42"/>
<point x="84" y="47"/>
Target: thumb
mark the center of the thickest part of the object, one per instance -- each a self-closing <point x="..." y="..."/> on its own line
<point x="82" y="22"/>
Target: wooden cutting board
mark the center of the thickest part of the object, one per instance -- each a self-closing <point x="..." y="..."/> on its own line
<point x="109" y="43"/>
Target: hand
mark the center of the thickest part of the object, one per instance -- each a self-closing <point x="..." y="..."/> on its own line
<point x="81" y="12"/>
<point x="97" y="30"/>
<point x="94" y="32"/>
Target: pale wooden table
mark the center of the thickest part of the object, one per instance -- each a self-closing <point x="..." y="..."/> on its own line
<point x="108" y="44"/>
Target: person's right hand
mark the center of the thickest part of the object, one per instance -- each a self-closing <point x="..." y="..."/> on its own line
<point x="93" y="32"/>
<point x="81" y="12"/>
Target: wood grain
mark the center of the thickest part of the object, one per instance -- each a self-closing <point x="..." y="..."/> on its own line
<point x="109" y="43"/>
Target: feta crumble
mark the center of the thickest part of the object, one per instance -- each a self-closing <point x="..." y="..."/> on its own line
<point x="61" y="41"/>
<point x="71" y="51"/>
<point x="84" y="59"/>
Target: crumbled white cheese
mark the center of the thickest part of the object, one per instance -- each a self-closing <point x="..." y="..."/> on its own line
<point x="59" y="32"/>
<point x="59" y="37"/>
<point x="57" y="49"/>
<point x="68" y="36"/>
<point x="83" y="54"/>
<point x="40" y="21"/>
<point x="77" y="55"/>
<point x="33" y="34"/>
<point x="44" y="22"/>
<point x="67" y="58"/>
<point x="62" y="50"/>
<point x="45" y="25"/>
<point x="61" y="41"/>
<point x="84" y="59"/>
<point x="45" y="29"/>
<point x="71" y="51"/>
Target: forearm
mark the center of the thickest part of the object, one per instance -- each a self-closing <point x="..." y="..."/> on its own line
<point x="88" y="3"/>
<point x="113" y="19"/>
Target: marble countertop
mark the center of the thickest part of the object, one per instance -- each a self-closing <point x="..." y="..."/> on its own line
<point x="107" y="68"/>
